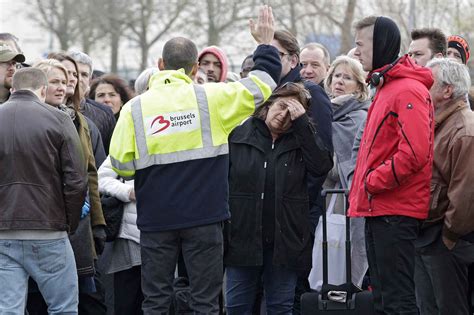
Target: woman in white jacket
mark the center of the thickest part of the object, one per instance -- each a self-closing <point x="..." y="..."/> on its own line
<point x="125" y="260"/>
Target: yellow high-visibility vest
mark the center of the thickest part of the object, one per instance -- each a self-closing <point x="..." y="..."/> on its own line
<point x="177" y="121"/>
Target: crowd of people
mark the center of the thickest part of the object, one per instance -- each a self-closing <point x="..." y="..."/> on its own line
<point x="221" y="174"/>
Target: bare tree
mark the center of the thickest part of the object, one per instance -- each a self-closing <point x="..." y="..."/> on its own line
<point x="71" y="22"/>
<point x="288" y="14"/>
<point x="109" y="17"/>
<point x="337" y="14"/>
<point x="218" y="18"/>
<point x="150" y="20"/>
<point x="429" y="13"/>
<point x="86" y="20"/>
<point x="58" y="17"/>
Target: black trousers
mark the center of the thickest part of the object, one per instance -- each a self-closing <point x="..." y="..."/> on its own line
<point x="128" y="292"/>
<point x="391" y="256"/>
<point x="442" y="277"/>
<point x="202" y="249"/>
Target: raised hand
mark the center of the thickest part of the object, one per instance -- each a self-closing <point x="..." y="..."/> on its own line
<point x="264" y="29"/>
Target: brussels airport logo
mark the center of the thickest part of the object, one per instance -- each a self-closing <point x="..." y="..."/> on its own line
<point x="169" y="123"/>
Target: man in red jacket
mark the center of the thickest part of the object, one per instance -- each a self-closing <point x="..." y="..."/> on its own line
<point x="391" y="185"/>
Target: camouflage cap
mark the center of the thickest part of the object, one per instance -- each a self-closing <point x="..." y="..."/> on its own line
<point x="7" y="54"/>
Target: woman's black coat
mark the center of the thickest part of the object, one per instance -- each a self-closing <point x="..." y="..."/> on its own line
<point x="300" y="151"/>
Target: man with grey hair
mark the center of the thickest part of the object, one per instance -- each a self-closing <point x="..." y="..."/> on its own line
<point x="43" y="187"/>
<point x="444" y="248"/>
<point x="315" y="61"/>
<point x="101" y="115"/>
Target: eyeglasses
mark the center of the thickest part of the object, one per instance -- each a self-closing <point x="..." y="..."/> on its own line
<point x="282" y="54"/>
<point x="8" y="64"/>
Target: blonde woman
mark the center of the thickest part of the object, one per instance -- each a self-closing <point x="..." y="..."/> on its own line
<point x="345" y="84"/>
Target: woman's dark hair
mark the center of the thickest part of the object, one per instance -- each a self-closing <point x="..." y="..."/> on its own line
<point x="119" y="84"/>
<point x="289" y="89"/>
<point x="76" y="98"/>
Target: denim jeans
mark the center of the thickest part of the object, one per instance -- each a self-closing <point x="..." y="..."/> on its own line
<point x="242" y="283"/>
<point x="50" y="263"/>
<point x="391" y="255"/>
<point x="202" y="248"/>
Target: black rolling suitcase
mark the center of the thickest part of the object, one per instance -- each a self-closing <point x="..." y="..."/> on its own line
<point x="341" y="299"/>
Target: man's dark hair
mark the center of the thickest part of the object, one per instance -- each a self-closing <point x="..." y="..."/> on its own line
<point x="287" y="41"/>
<point x="436" y="37"/>
<point x="245" y="59"/>
<point x="180" y="52"/>
<point x="29" y="79"/>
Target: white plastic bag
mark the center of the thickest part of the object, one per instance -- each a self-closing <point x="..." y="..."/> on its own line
<point x="336" y="251"/>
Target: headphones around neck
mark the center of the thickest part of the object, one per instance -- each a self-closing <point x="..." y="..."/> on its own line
<point x="377" y="77"/>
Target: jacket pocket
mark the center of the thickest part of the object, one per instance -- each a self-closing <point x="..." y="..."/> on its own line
<point x="243" y="220"/>
<point x="294" y="222"/>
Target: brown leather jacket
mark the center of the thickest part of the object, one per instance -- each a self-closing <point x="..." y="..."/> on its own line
<point x="452" y="189"/>
<point x="43" y="179"/>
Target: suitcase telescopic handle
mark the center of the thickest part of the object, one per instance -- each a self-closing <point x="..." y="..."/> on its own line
<point x="324" y="194"/>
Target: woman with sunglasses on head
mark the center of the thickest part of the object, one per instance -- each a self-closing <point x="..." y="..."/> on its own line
<point x="268" y="238"/>
<point x="345" y="84"/>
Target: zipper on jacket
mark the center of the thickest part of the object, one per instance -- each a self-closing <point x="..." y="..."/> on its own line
<point x="378" y="129"/>
<point x="370" y="197"/>
<point x="408" y="141"/>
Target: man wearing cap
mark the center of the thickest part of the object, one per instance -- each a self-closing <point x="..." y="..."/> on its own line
<point x="458" y="49"/>
<point x="213" y="61"/>
<point x="391" y="183"/>
<point x="8" y="61"/>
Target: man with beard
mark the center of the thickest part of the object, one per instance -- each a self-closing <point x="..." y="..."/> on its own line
<point x="8" y="62"/>
<point x="213" y="61"/>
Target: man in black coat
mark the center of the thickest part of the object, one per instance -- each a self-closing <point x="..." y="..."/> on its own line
<point x="321" y="113"/>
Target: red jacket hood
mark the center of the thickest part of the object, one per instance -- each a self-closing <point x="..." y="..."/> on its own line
<point x="407" y="68"/>
<point x="221" y="56"/>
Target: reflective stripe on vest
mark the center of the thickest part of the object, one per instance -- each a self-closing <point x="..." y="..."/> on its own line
<point x="265" y="77"/>
<point x="254" y="89"/>
<point x="146" y="159"/>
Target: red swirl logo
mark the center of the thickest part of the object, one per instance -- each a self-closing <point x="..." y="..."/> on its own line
<point x="161" y="121"/>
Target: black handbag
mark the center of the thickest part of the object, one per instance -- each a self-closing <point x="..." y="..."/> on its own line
<point x="112" y="209"/>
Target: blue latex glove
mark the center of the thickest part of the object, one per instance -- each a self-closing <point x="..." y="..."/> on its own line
<point x="86" y="208"/>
